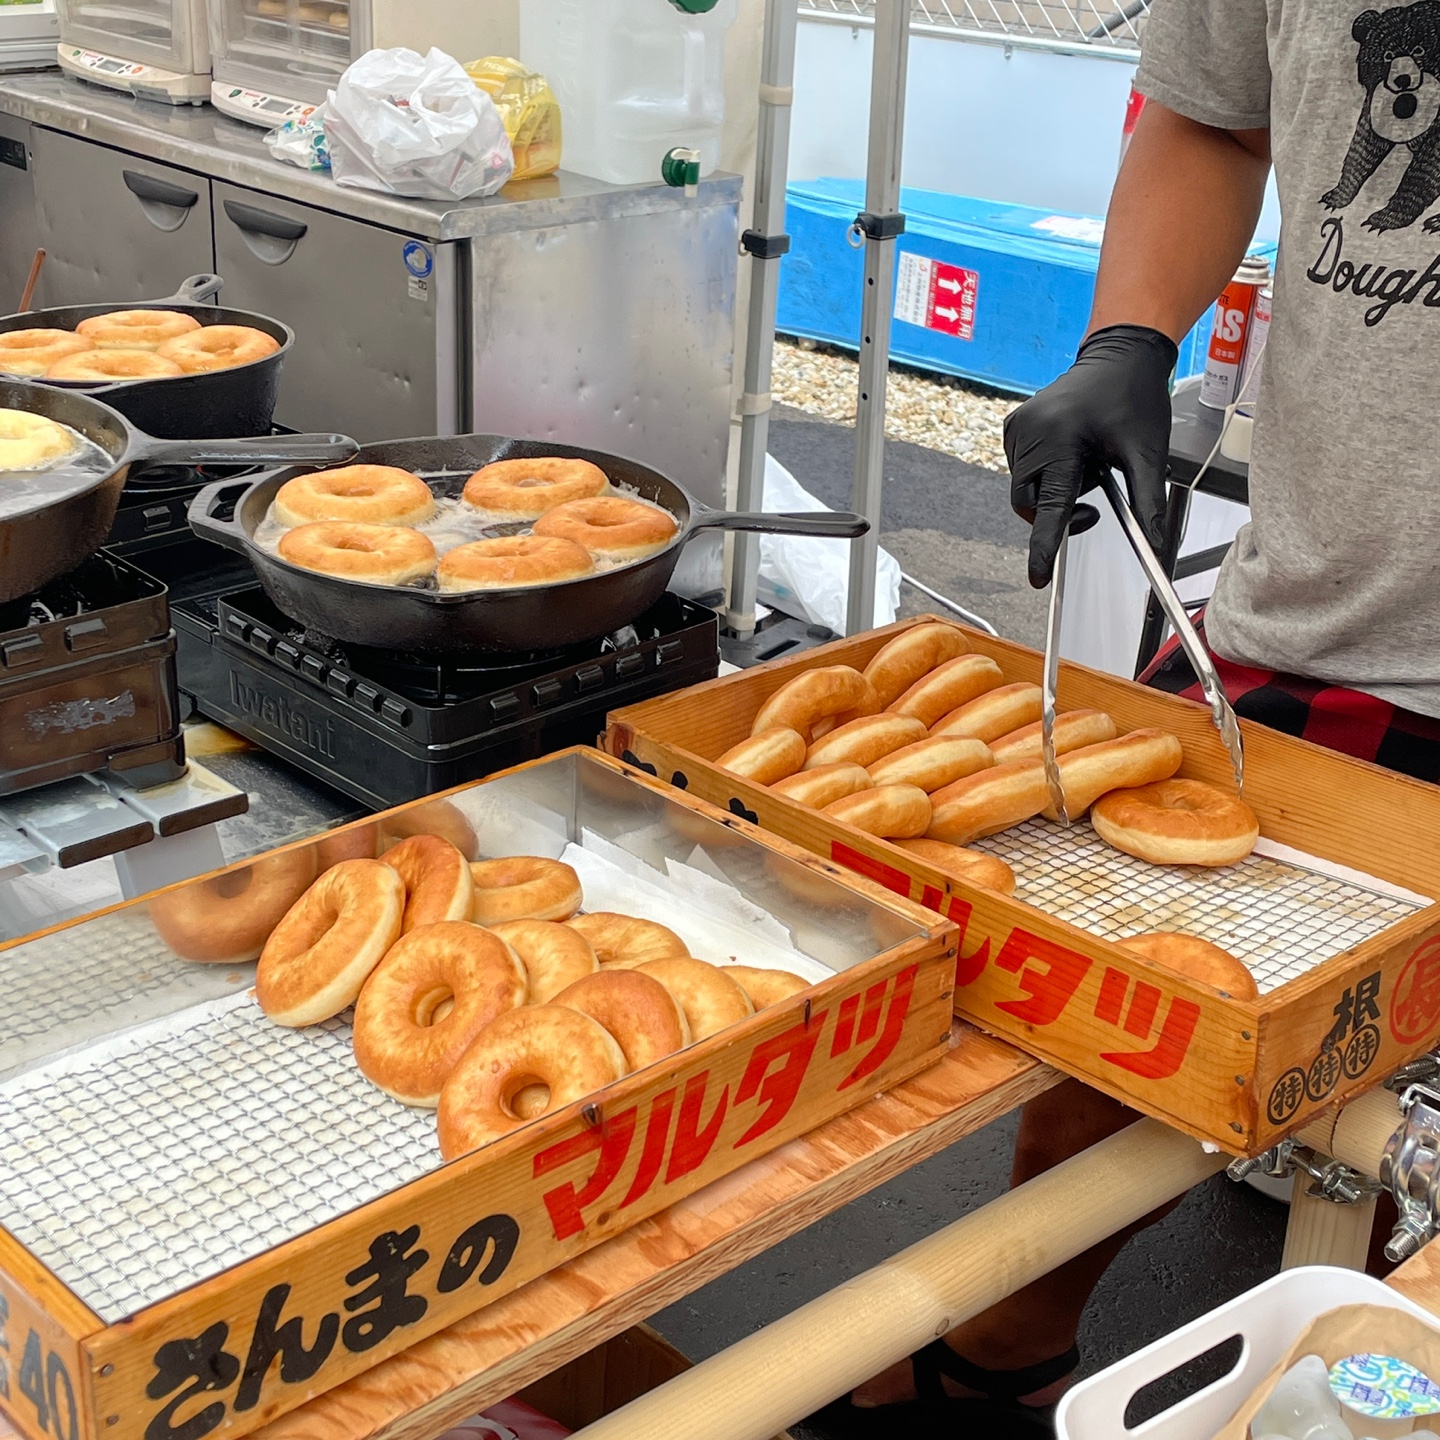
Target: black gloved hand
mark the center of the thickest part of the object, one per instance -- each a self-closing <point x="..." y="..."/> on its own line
<point x="1110" y="410"/>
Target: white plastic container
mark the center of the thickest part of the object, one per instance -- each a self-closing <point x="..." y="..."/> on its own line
<point x="635" y="79"/>
<point x="1269" y="1320"/>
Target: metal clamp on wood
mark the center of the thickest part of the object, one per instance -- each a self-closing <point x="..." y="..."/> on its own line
<point x="1410" y="1169"/>
<point x="764" y="247"/>
<point x="1332" y="1181"/>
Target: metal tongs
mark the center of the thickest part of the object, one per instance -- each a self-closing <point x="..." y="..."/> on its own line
<point x="1174" y="608"/>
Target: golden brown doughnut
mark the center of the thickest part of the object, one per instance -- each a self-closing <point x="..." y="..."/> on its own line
<point x="1177" y="822"/>
<point x="434" y="991"/>
<point x="910" y="657"/>
<point x="100" y="366"/>
<point x="551" y="1046"/>
<point x="765" y="758"/>
<point x="335" y="934"/>
<point x="218" y="347"/>
<point x="893" y="812"/>
<point x="932" y="763"/>
<point x="434" y="817"/>
<point x="135" y="329"/>
<point x="822" y="787"/>
<point x="526" y="489"/>
<point x="948" y="686"/>
<point x="627" y="941"/>
<point x="710" y="999"/>
<point x="1140" y="758"/>
<point x="765" y="988"/>
<point x="363" y="554"/>
<point x="226" y="919"/>
<point x="969" y="867"/>
<point x="30" y="442"/>
<point x="826" y="691"/>
<point x="643" y="1016"/>
<point x="988" y="802"/>
<point x="354" y="842"/>
<point x="33" y="352"/>
<point x="1073" y="731"/>
<point x="524" y="887"/>
<point x="437" y="880"/>
<point x="1199" y="959"/>
<point x="610" y="527"/>
<point x="555" y="956"/>
<point x="511" y="562"/>
<point x="362" y="494"/>
<point x="993" y="714"/>
<point x="863" y="741"/>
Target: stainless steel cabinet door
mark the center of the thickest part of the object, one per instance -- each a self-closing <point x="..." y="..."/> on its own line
<point x="18" y="232"/>
<point x="372" y="311"/>
<point x="116" y="226"/>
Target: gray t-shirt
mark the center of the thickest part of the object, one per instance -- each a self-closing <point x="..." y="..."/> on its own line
<point x="1336" y="576"/>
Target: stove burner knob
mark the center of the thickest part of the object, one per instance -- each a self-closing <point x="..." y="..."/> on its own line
<point x="504" y="707"/>
<point x="590" y="678"/>
<point x="86" y="634"/>
<point x="547" y="692"/>
<point x="338" y="682"/>
<point x="670" y="650"/>
<point x="288" y="653"/>
<point x="368" y="695"/>
<point x="628" y="665"/>
<point x="394" y="712"/>
<point x="22" y="651"/>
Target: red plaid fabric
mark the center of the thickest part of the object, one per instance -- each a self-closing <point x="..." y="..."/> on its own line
<point x="1329" y="715"/>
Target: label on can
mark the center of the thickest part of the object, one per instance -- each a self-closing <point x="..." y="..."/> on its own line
<point x="1228" y="330"/>
<point x="1255" y="343"/>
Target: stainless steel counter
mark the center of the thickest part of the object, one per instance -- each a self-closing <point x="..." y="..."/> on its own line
<point x="200" y="138"/>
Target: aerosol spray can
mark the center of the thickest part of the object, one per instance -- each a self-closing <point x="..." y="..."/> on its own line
<point x="1230" y="333"/>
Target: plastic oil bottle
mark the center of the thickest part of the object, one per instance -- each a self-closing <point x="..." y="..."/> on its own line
<point x="635" y="79"/>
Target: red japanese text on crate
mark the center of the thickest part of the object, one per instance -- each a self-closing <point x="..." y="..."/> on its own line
<point x="936" y="295"/>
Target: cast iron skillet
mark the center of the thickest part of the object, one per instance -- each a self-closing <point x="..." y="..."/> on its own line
<point x="63" y="515"/>
<point x="538" y="617"/>
<point x="220" y="403"/>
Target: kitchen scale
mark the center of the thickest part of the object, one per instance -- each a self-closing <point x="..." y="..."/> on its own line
<point x="153" y="49"/>
<point x="255" y="107"/>
<point x="29" y="31"/>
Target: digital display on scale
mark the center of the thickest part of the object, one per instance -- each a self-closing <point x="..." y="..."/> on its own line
<point x="277" y="107"/>
<point x="112" y="67"/>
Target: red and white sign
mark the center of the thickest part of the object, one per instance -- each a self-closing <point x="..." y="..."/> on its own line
<point x="936" y="295"/>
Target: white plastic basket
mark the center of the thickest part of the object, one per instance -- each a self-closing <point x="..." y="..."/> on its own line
<point x="1268" y="1319"/>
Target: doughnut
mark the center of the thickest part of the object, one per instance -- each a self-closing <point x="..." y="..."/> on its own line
<point x="988" y="802"/>
<point x="100" y="366"/>
<point x="329" y="941"/>
<point x="765" y="758"/>
<point x="764" y="988"/>
<point x="1177" y="822"/>
<point x="435" y="990"/>
<point x="1198" y="959"/>
<point x="969" y="867"/>
<point x="434" y="817"/>
<point x="366" y="554"/>
<point x="512" y="561"/>
<point x="526" y="489"/>
<point x="218" y="347"/>
<point x="524" y="887"/>
<point x="828" y="690"/>
<point x="610" y="527"/>
<point x="135" y="329"/>
<point x="227" y="918"/>
<point x="893" y="812"/>
<point x="946" y="687"/>
<point x="364" y="494"/>
<point x="30" y="442"/>
<point x="911" y="656"/>
<point x="551" y="1046"/>
<point x="1073" y="730"/>
<point x="355" y="842"/>
<point x="863" y="741"/>
<point x="822" y="787"/>
<point x="643" y="1016"/>
<point x="710" y="999"/>
<point x="932" y="763"/>
<point x="626" y="941"/>
<point x="437" y="880"/>
<point x="993" y="714"/>
<point x="555" y="956"/>
<point x="33" y="352"/>
<point x="1140" y="758"/>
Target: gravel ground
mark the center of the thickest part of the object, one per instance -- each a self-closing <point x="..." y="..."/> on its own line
<point x="940" y="412"/>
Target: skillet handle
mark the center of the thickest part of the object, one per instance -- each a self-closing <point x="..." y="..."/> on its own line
<point x="207" y="521"/>
<point x="197" y="290"/>
<point x="824" y="524"/>
<point x="259" y="450"/>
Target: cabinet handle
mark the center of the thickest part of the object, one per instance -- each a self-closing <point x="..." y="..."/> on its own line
<point x="262" y="222"/>
<point x="158" y="192"/>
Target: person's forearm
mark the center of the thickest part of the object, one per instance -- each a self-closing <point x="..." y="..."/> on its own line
<point x="1182" y="215"/>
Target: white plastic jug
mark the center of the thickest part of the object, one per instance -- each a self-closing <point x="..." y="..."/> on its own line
<point x="635" y="79"/>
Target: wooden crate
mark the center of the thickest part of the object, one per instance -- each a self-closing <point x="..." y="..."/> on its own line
<point x="1242" y="1075"/>
<point x="227" y="1352"/>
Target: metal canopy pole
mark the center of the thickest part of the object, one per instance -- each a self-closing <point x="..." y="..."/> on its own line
<point x="765" y="243"/>
<point x="880" y="223"/>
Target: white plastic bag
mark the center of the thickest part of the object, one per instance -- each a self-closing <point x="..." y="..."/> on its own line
<point x="416" y="125"/>
<point x="810" y="578"/>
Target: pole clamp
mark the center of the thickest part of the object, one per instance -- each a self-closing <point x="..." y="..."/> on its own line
<point x="1330" y="1179"/>
<point x="870" y="226"/>
<point x="764" y="247"/>
<point x="1410" y="1169"/>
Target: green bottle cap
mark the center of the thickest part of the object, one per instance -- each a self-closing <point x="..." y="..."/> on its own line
<point x="681" y="168"/>
<point x="695" y="7"/>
